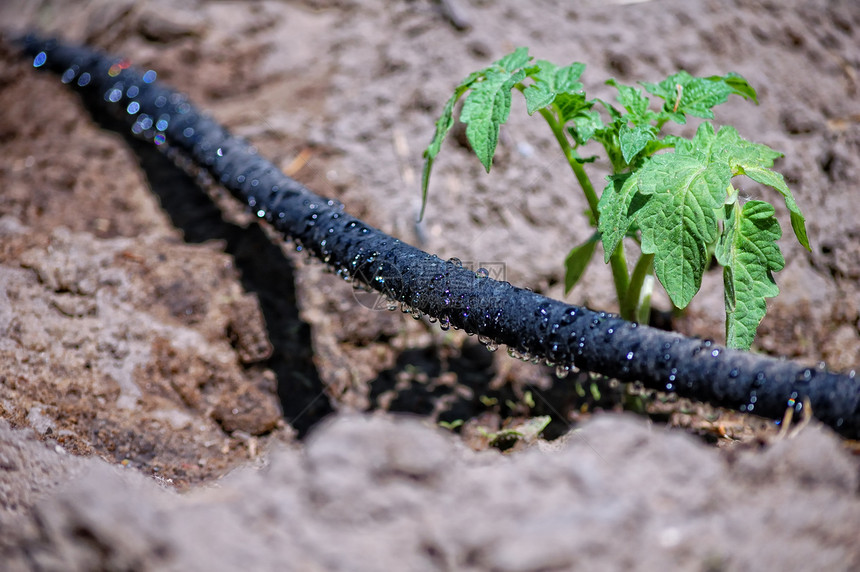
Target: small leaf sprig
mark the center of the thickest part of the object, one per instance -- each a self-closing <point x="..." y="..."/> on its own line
<point x="674" y="197"/>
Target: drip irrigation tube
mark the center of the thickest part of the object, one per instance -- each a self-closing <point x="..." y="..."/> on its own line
<point x="531" y="325"/>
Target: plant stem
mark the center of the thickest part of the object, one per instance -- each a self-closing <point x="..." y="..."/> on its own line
<point x="618" y="262"/>
<point x="630" y="304"/>
<point x="621" y="277"/>
<point x="576" y="166"/>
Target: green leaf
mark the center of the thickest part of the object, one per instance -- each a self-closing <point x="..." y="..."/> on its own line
<point x="567" y="78"/>
<point x="550" y="81"/>
<point x="749" y="254"/>
<point x="685" y="191"/>
<point x="538" y="96"/>
<point x="655" y="145"/>
<point x="571" y="105"/>
<point x="577" y="261"/>
<point x="633" y="101"/>
<point x="776" y="180"/>
<point x="738" y="85"/>
<point x="678" y="219"/>
<point x="615" y="211"/>
<point x="486" y="107"/>
<point x="634" y="139"/>
<point x="488" y="111"/>
<point x="443" y="126"/>
<point x="754" y="160"/>
<point x="513" y="61"/>
<point x="688" y="95"/>
<point x="585" y="125"/>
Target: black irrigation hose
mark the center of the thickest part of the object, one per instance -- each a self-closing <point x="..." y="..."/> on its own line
<point x="531" y="325"/>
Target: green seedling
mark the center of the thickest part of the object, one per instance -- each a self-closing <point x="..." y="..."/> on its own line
<point x="673" y="197"/>
<point x="451" y="425"/>
<point x="527" y="431"/>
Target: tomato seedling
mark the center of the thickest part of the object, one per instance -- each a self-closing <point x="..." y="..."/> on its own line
<point x="672" y="196"/>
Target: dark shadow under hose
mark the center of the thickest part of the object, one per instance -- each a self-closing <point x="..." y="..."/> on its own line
<point x="531" y="325"/>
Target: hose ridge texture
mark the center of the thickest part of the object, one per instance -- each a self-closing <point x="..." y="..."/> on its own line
<point x="531" y="325"/>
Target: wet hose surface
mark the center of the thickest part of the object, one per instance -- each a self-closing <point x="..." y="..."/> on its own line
<point x="531" y="325"/>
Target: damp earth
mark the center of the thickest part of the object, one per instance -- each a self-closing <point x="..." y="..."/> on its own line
<point x="181" y="390"/>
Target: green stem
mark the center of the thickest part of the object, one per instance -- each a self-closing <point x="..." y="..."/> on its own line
<point x="617" y="261"/>
<point x="570" y="155"/>
<point x="630" y="303"/>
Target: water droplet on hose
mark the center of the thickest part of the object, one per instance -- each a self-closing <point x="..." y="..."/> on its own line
<point x="69" y="74"/>
<point x="568" y="317"/>
<point x="482" y="273"/>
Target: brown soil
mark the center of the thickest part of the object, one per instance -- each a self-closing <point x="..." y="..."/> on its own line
<point x="151" y="342"/>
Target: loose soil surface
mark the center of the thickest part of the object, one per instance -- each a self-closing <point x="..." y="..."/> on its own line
<point x="181" y="390"/>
